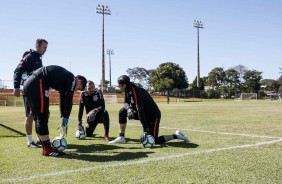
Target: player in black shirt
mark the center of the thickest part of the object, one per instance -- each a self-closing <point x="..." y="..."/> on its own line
<point x="36" y="89"/>
<point x="139" y="105"/>
<point x="31" y="61"/>
<point x="93" y="101"/>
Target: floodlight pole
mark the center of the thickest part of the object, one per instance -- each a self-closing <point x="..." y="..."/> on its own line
<point x="104" y="10"/>
<point x="110" y="52"/>
<point x="198" y="24"/>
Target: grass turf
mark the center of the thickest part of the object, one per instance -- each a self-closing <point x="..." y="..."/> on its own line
<point x="201" y="161"/>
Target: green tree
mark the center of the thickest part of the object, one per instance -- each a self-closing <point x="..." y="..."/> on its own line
<point x="216" y="77"/>
<point x="270" y="84"/>
<point x="167" y="77"/>
<point x="252" y="79"/>
<point x="232" y="79"/>
<point x="202" y="83"/>
<point x="139" y="75"/>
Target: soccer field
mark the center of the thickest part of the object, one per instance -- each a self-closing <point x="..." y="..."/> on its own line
<point x="231" y="142"/>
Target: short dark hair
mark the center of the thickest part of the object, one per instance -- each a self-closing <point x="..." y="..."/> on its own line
<point x="90" y="82"/>
<point x="83" y="81"/>
<point x="124" y="79"/>
<point x="39" y="41"/>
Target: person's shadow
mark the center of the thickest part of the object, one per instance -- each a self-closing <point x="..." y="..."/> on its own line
<point x="104" y="153"/>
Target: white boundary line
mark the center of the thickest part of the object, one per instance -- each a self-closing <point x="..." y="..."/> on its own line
<point x="142" y="161"/>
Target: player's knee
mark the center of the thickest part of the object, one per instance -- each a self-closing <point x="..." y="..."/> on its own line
<point x="89" y="130"/>
<point x="159" y="140"/>
<point x="122" y="116"/>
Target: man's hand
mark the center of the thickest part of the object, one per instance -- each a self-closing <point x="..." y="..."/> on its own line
<point x="130" y="113"/>
<point x="92" y="115"/>
<point x="17" y="92"/>
<point x="143" y="136"/>
<point x="64" y="129"/>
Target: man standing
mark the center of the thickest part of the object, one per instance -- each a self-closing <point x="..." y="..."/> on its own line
<point x="93" y="101"/>
<point x="31" y="61"/>
<point x="139" y="105"/>
<point x="36" y="89"/>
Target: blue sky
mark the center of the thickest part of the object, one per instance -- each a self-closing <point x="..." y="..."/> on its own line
<point x="144" y="34"/>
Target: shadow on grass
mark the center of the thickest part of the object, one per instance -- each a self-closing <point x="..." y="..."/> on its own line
<point x="20" y="134"/>
<point x="179" y="145"/>
<point x="104" y="153"/>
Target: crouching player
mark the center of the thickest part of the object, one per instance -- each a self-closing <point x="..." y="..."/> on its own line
<point x="93" y="101"/>
<point x="139" y="105"/>
<point x="36" y="89"/>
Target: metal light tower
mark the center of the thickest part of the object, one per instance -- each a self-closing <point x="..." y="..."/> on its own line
<point x="110" y="52"/>
<point x="104" y="10"/>
<point x="198" y="24"/>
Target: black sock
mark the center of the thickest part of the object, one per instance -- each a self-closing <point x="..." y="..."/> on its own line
<point x="174" y="136"/>
<point x="121" y="134"/>
<point x="47" y="144"/>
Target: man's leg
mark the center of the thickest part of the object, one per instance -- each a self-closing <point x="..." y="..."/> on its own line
<point x="122" y="127"/>
<point x="106" y="123"/>
<point x="90" y="127"/>
<point x="28" y="124"/>
<point x="154" y="130"/>
<point x="37" y="94"/>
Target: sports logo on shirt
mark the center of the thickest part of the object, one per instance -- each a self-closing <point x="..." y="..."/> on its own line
<point x="95" y="97"/>
<point x="47" y="93"/>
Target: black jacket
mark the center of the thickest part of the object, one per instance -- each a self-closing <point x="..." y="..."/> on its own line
<point x="90" y="102"/>
<point x="62" y="80"/>
<point x="31" y="61"/>
<point x="142" y="102"/>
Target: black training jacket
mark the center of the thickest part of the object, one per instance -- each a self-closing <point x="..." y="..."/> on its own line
<point x="91" y="101"/>
<point x="141" y="101"/>
<point x="60" y="79"/>
<point x="31" y="61"/>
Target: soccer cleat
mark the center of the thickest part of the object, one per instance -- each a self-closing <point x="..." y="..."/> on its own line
<point x="52" y="152"/>
<point x="33" y="145"/>
<point x="38" y="142"/>
<point x="118" y="140"/>
<point x="106" y="138"/>
<point x="181" y="136"/>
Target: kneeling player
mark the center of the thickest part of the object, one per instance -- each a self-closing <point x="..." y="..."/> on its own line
<point x="36" y="89"/>
<point x="93" y="101"/>
<point x="139" y="105"/>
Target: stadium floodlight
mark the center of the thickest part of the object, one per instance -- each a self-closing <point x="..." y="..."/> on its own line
<point x="104" y="10"/>
<point x="110" y="52"/>
<point x="199" y="25"/>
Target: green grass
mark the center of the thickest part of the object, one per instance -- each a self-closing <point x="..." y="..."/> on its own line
<point x="130" y="163"/>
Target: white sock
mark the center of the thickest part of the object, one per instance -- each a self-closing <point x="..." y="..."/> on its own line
<point x="29" y="139"/>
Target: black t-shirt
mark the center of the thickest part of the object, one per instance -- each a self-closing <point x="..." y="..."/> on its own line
<point x="91" y="101"/>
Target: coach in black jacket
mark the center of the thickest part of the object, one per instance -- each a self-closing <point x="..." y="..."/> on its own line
<point x="31" y="61"/>
<point x="139" y="105"/>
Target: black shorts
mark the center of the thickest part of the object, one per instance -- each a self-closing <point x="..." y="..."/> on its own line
<point x="28" y="111"/>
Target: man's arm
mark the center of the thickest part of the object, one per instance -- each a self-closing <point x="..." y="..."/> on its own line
<point x="81" y="108"/>
<point x="66" y="103"/>
<point x="101" y="101"/>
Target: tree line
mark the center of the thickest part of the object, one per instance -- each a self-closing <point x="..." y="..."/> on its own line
<point x="219" y="82"/>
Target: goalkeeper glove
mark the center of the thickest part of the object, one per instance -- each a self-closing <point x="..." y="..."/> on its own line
<point x="130" y="113"/>
<point x="64" y="127"/>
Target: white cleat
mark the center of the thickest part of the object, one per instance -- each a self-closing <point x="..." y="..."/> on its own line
<point x="181" y="136"/>
<point x="118" y="140"/>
